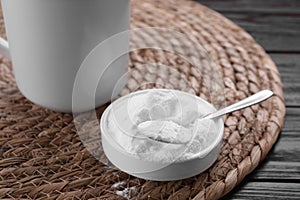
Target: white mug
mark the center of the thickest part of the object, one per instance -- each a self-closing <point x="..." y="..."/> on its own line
<point x="49" y="40"/>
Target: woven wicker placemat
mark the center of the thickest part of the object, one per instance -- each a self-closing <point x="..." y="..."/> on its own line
<point x="41" y="156"/>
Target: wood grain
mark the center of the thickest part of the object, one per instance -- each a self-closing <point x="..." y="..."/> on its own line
<point x="289" y="68"/>
<point x="269" y="191"/>
<point x="273" y="24"/>
<point x="292" y="125"/>
<point x="275" y="171"/>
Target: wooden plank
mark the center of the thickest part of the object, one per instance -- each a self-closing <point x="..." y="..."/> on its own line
<point x="274" y="25"/>
<point x="266" y="6"/>
<point x="275" y="30"/>
<point x="266" y="191"/>
<point x="286" y="149"/>
<point x="284" y="170"/>
<point x="276" y="172"/>
<point x="292" y="125"/>
<point x="289" y="68"/>
<point x="274" y="33"/>
<point x="282" y="162"/>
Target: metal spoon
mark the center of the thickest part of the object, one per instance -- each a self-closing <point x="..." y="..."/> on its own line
<point x="249" y="101"/>
<point x="164" y="137"/>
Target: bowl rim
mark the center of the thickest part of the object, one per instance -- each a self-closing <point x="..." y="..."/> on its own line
<point x="199" y="155"/>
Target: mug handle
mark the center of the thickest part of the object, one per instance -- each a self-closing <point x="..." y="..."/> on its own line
<point x="4" y="48"/>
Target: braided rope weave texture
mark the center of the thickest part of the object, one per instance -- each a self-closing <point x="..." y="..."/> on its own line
<point x="42" y="157"/>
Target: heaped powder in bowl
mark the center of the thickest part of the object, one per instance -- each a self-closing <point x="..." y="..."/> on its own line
<point x="162" y="115"/>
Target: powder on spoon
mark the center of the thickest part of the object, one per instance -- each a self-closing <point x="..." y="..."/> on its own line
<point x="165" y="131"/>
<point x="162" y="115"/>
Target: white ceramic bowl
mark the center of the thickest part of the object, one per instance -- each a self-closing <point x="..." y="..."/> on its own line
<point x="154" y="170"/>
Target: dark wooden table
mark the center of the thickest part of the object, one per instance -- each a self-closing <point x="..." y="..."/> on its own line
<point x="275" y="24"/>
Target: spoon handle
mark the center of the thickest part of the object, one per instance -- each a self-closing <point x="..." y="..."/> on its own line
<point x="254" y="99"/>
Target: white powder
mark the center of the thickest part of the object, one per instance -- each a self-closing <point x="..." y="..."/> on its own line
<point x="124" y="191"/>
<point x="118" y="184"/>
<point x="163" y="115"/>
<point x="127" y="192"/>
<point x="165" y="131"/>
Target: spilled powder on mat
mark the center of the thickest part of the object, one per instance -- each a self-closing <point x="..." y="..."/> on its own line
<point x="127" y="193"/>
<point x="162" y="115"/>
<point x="123" y="191"/>
<point x="118" y="184"/>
